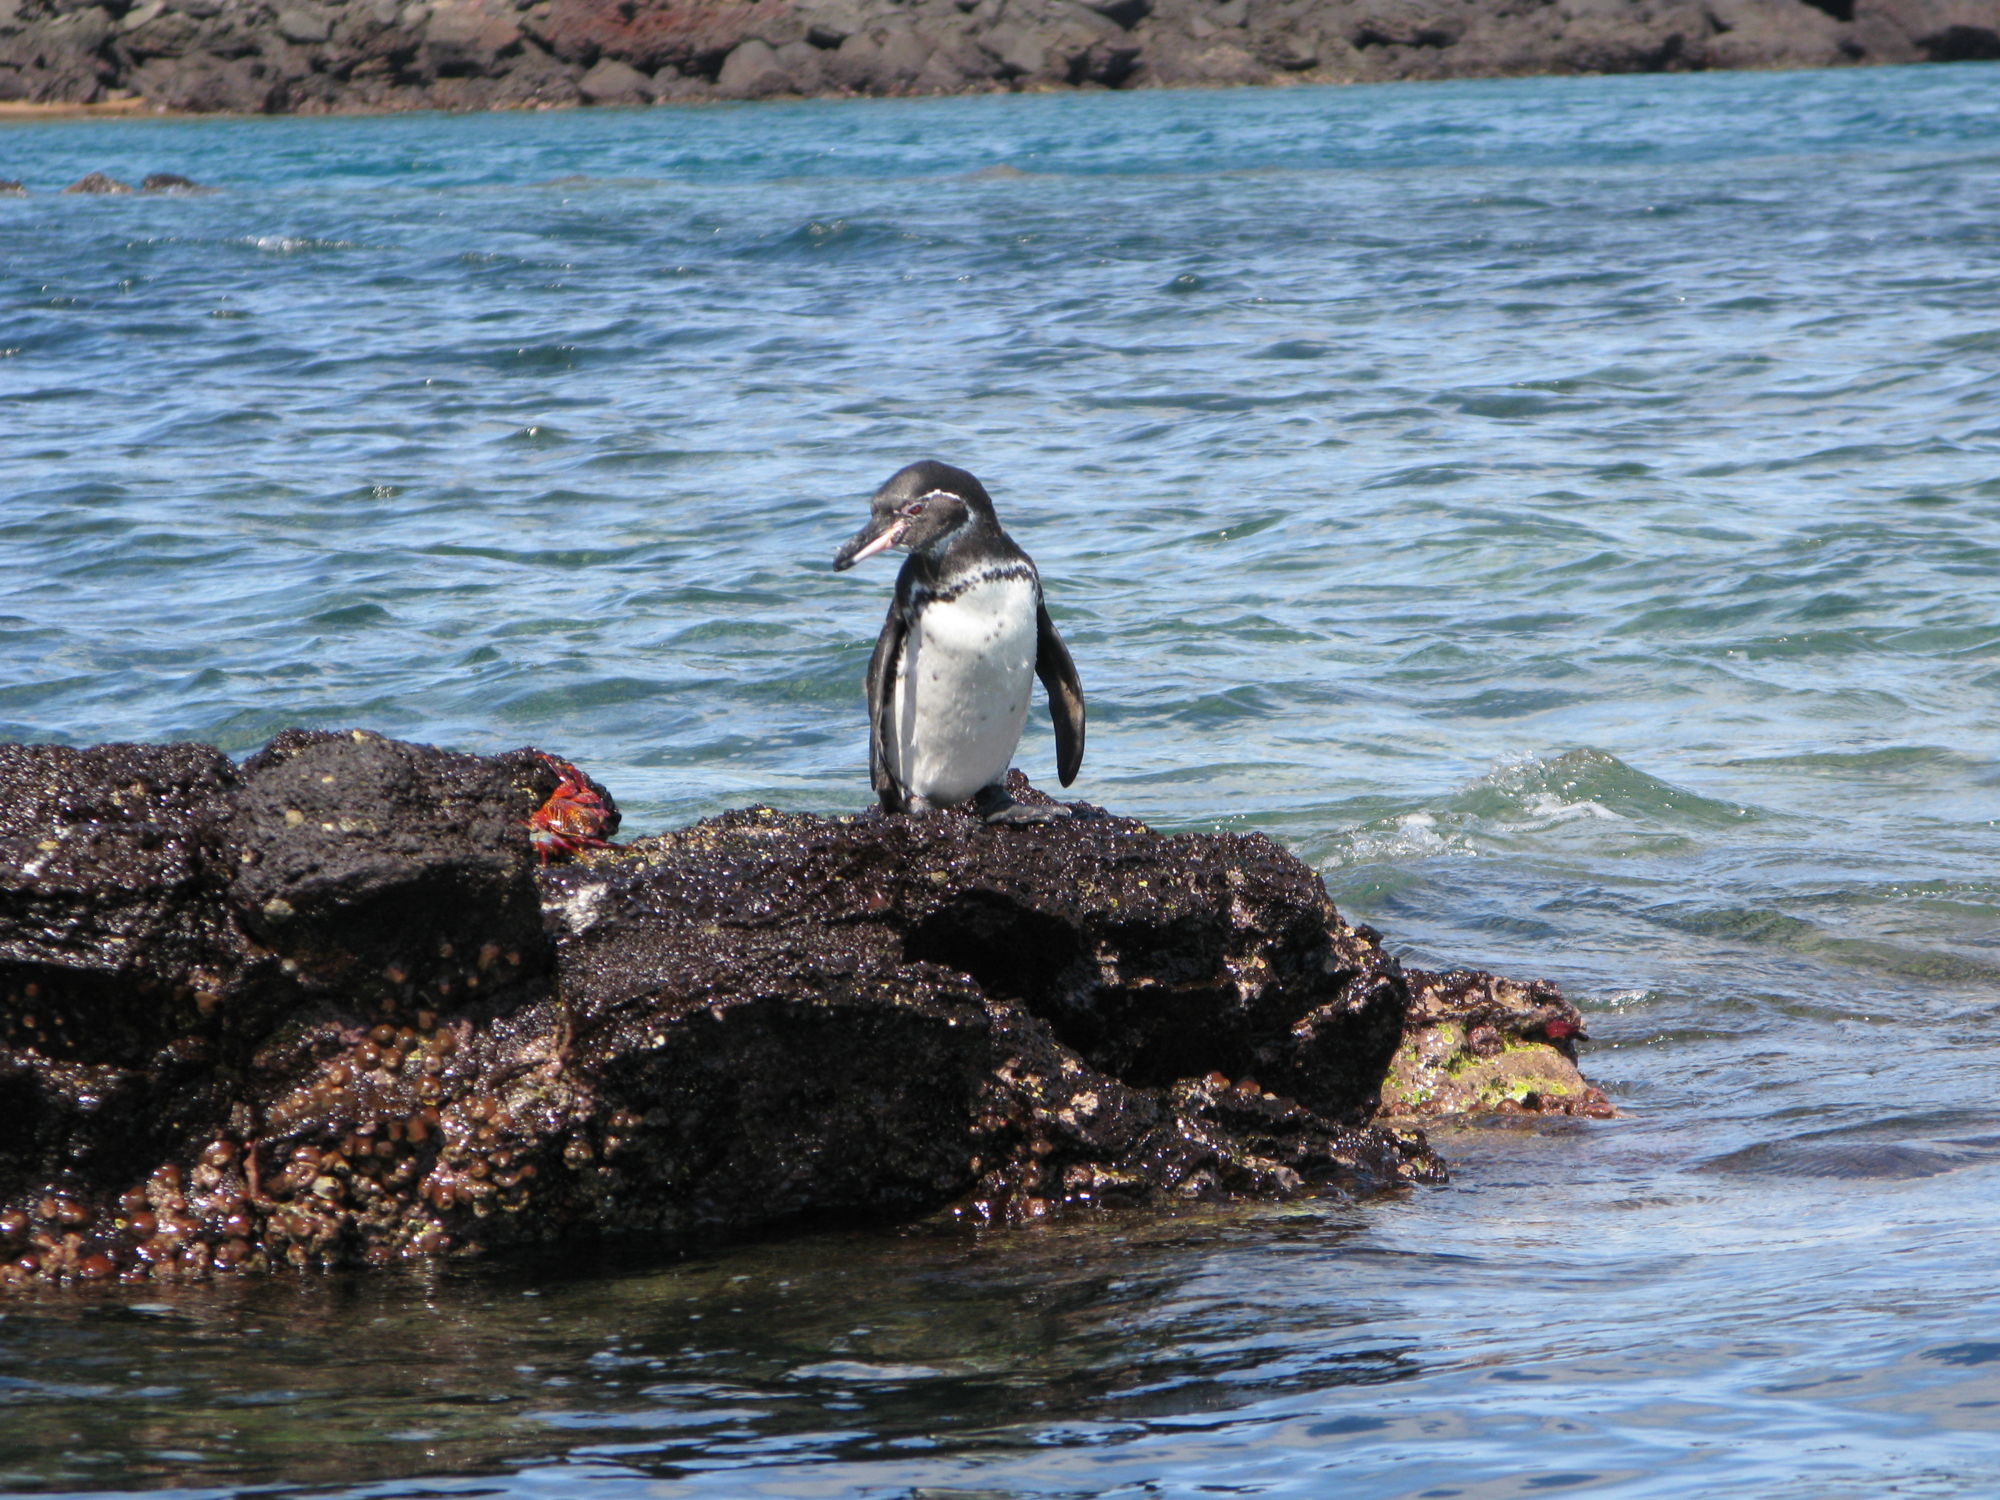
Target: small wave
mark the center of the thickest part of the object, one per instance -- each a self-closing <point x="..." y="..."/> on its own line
<point x="575" y="181"/>
<point x="1417" y="835"/>
<point x="1919" y="763"/>
<point x="1591" y="784"/>
<point x="824" y="236"/>
<point x="1426" y="475"/>
<point x="1974" y="342"/>
<point x="288" y="244"/>
<point x="1974" y="1352"/>
<point x="1295" y="349"/>
<point x="864" y="1372"/>
<point x="1551" y="810"/>
<point x="1511" y="404"/>
<point x="351" y="614"/>
<point x="1764" y="927"/>
<point x="1881" y="1149"/>
<point x="1849" y="1160"/>
<point x="1580" y="788"/>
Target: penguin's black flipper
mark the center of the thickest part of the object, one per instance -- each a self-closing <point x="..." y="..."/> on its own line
<point x="882" y="678"/>
<point x="1058" y="674"/>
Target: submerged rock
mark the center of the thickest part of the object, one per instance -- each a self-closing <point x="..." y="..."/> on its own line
<point x="98" y="182"/>
<point x="324" y="1009"/>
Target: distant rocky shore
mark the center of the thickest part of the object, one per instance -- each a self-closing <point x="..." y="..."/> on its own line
<point x="332" y="56"/>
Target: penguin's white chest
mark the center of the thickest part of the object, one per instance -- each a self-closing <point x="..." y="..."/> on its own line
<point x="960" y="694"/>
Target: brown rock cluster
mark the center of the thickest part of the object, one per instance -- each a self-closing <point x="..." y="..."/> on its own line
<point x="323" y="1008"/>
<point x="318" y="56"/>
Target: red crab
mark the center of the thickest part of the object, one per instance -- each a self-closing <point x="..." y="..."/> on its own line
<point x="573" y="819"/>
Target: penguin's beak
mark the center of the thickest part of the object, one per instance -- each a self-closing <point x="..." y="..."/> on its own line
<point x="879" y="535"/>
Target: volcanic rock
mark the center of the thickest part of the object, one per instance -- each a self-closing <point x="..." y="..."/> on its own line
<point x="752" y="71"/>
<point x="615" y="82"/>
<point x="98" y="182"/>
<point x="464" y="38"/>
<point x="1938" y="30"/>
<point x="324" y="1009"/>
<point x="1479" y="1044"/>
<point x="319" y="55"/>
<point x="108" y="935"/>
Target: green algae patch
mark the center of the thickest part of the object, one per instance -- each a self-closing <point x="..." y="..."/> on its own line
<point x="1477" y="1044"/>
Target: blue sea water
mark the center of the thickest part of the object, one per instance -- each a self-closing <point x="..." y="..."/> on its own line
<point x="1566" y="511"/>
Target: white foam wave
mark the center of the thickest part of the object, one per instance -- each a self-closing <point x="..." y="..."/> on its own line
<point x="287" y="244"/>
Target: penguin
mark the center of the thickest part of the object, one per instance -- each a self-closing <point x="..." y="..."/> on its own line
<point x="948" y="684"/>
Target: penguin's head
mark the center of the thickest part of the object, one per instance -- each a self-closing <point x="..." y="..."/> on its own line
<point x="921" y="506"/>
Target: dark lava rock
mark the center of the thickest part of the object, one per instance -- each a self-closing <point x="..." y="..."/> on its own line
<point x="107" y="931"/>
<point x="369" y="865"/>
<point x="1936" y="30"/>
<point x="1013" y="1011"/>
<point x="615" y="82"/>
<point x="113" y="958"/>
<point x="11" y="189"/>
<point x="693" y="36"/>
<point x="324" y="1009"/>
<point x="171" y="182"/>
<point x="97" y="182"/>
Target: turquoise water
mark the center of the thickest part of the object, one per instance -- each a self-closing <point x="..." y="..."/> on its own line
<point x="1566" y="511"/>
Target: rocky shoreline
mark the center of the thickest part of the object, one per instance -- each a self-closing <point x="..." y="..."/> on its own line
<point x="328" y="1008"/>
<point x="334" y="56"/>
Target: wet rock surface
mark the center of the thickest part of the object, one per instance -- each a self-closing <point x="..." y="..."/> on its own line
<point x="1475" y="1043"/>
<point x="323" y="1008"/>
<point x="98" y="182"/>
<point x="317" y="56"/>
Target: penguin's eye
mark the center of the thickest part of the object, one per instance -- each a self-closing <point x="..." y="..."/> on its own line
<point x="914" y="509"/>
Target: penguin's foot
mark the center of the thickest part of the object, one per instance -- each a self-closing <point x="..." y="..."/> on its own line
<point x="995" y="807"/>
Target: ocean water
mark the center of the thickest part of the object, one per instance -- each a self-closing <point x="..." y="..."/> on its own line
<point x="1565" y="511"/>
